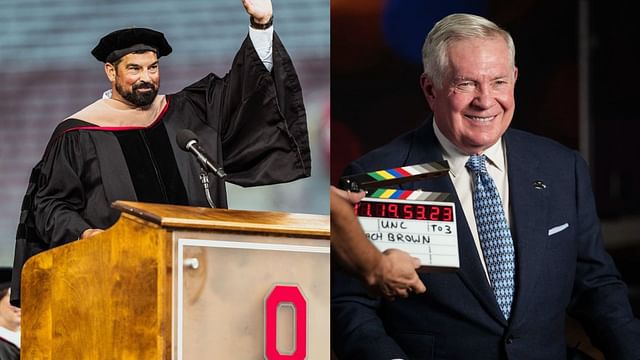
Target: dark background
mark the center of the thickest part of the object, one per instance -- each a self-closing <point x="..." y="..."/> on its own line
<point x="375" y="92"/>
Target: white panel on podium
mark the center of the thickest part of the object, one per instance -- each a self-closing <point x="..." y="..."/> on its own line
<point x="223" y="284"/>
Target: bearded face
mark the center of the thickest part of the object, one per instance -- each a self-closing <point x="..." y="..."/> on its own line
<point x="141" y="94"/>
<point x="137" y="78"/>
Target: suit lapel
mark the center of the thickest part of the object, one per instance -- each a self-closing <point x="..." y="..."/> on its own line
<point x="425" y="148"/>
<point x="528" y="209"/>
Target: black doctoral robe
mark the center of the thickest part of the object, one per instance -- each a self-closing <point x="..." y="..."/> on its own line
<point x="251" y="121"/>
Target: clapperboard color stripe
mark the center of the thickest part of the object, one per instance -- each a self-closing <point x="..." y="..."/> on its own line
<point x="410" y="195"/>
<point x="386" y="177"/>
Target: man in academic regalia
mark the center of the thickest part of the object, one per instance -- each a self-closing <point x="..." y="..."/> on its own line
<point x="252" y="122"/>
<point x="9" y="320"/>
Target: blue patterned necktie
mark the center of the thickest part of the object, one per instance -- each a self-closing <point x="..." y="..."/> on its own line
<point x="494" y="233"/>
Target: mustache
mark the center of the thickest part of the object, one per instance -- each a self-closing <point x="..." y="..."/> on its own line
<point x="143" y="85"/>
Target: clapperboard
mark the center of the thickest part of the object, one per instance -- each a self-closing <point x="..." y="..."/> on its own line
<point x="419" y="222"/>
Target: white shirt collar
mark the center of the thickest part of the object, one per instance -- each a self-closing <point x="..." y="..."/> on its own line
<point x="10" y="336"/>
<point x="458" y="159"/>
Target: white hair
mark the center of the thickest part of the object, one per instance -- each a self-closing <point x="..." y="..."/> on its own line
<point x="456" y="27"/>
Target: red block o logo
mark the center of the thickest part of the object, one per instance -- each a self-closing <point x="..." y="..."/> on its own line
<point x="285" y="294"/>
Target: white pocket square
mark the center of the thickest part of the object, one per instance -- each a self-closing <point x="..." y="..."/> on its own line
<point x="557" y="229"/>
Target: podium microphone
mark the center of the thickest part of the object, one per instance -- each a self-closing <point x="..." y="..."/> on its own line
<point x="188" y="141"/>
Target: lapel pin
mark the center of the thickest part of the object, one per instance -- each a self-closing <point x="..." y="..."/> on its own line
<point x="538" y="184"/>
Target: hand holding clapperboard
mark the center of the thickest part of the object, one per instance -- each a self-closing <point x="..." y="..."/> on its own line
<point x="419" y="222"/>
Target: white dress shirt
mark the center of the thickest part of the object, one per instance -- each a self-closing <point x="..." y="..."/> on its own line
<point x="10" y="336"/>
<point x="462" y="179"/>
<point x="262" y="41"/>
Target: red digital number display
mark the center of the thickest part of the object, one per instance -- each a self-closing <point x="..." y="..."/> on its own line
<point x="404" y="211"/>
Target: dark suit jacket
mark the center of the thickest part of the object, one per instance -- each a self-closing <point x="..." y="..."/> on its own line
<point x="458" y="317"/>
<point x="8" y="351"/>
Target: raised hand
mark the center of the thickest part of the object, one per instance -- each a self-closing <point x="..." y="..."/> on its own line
<point x="259" y="10"/>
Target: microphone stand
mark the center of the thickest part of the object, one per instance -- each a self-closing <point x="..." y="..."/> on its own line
<point x="204" y="178"/>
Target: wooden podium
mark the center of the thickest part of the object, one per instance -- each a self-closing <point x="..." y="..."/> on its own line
<point x="177" y="282"/>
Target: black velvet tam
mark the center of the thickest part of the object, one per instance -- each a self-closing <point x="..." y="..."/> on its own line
<point x="122" y="42"/>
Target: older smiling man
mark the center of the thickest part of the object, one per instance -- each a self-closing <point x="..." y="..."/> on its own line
<point x="530" y="244"/>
